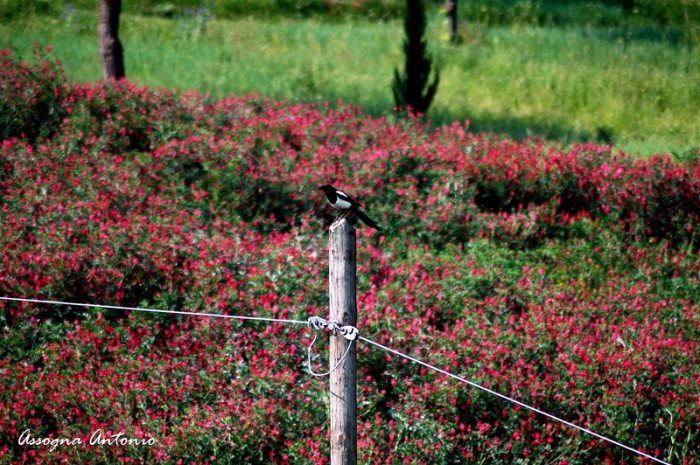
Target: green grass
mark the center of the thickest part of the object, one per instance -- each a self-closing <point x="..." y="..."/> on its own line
<point x="639" y="87"/>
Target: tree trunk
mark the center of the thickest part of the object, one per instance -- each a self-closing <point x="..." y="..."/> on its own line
<point x="111" y="50"/>
<point x="451" y="12"/>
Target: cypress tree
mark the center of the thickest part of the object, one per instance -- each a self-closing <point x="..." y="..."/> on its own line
<point x="412" y="88"/>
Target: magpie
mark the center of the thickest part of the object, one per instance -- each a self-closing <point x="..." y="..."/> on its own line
<point x="342" y="201"/>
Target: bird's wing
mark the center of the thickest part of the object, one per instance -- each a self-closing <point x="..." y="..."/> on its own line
<point x="346" y="198"/>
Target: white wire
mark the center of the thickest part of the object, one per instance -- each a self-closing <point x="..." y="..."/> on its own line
<point x="154" y="310"/>
<point x="388" y="349"/>
<point x="340" y="362"/>
<point x="470" y="383"/>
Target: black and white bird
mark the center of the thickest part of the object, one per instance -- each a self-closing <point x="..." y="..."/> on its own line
<point x="342" y="201"/>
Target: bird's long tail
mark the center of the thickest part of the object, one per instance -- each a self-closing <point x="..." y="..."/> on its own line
<point x="366" y="219"/>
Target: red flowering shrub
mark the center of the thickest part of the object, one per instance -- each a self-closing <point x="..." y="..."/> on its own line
<point x="32" y="96"/>
<point x="565" y="279"/>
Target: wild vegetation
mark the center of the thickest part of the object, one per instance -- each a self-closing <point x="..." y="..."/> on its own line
<point x="567" y="279"/>
<point x="578" y="71"/>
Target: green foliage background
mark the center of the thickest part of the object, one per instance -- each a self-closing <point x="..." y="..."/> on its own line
<point x="602" y="12"/>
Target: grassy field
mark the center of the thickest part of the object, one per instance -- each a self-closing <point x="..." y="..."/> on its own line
<point x="637" y="87"/>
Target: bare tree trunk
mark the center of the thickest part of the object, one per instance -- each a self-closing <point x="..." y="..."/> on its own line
<point x="111" y="50"/>
<point x="451" y="12"/>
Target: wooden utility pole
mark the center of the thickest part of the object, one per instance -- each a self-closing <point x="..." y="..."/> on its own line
<point x="342" y="253"/>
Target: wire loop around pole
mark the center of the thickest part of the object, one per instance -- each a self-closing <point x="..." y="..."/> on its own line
<point x="350" y="333"/>
<point x="340" y="362"/>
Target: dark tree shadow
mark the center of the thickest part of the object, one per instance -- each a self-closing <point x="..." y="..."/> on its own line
<point x="520" y="128"/>
<point x="508" y="126"/>
<point x="673" y="37"/>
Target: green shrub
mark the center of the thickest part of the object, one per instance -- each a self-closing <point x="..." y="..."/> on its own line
<point x="413" y="88"/>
